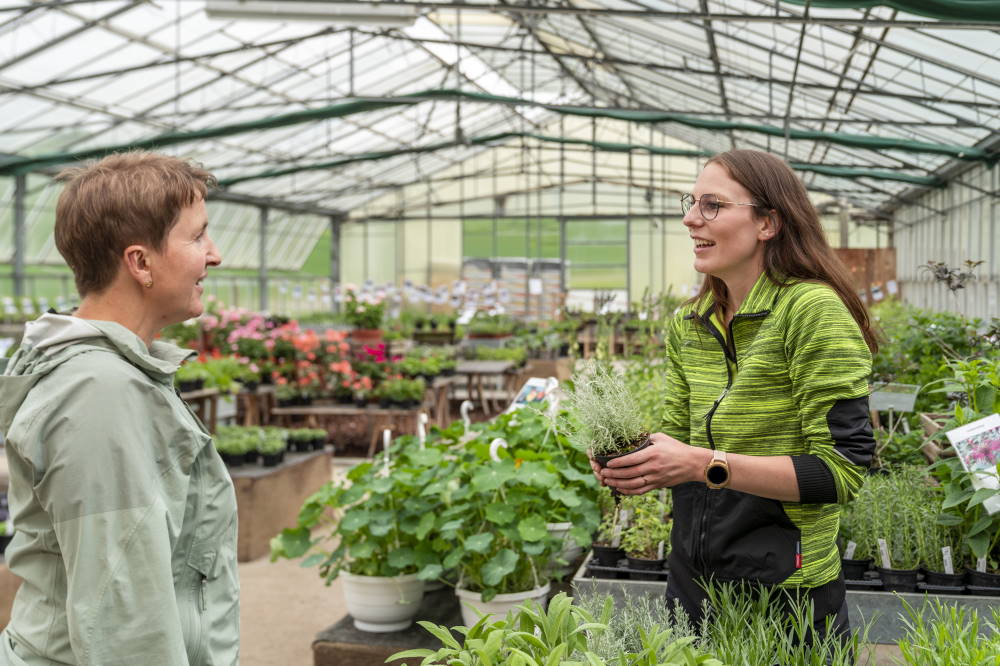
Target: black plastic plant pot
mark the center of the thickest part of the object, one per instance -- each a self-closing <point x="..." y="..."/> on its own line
<point x="271" y="459"/>
<point x="941" y="579"/>
<point x="608" y="556"/>
<point x="318" y="443"/>
<point x="855" y="569"/>
<point x="898" y="580"/>
<point x="187" y="385"/>
<point x="604" y="460"/>
<point x="636" y="567"/>
<point x="982" y="579"/>
<point x="233" y="459"/>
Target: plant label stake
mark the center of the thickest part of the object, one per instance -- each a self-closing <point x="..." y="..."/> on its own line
<point x="849" y="551"/>
<point x="883" y="548"/>
<point x="496" y="445"/>
<point x="949" y="567"/>
<point x="386" y="438"/>
<point x="616" y="536"/>
<point x="659" y="551"/>
<point x="981" y="564"/>
<point x="465" y="408"/>
<point x="421" y="429"/>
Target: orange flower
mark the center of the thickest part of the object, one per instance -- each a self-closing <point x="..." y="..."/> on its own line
<point x="280" y="381"/>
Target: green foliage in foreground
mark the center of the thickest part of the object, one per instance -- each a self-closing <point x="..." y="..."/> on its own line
<point x="747" y="628"/>
<point x="950" y="636"/>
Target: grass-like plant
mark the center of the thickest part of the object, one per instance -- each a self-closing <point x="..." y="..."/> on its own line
<point x="948" y="634"/>
<point x="755" y="626"/>
<point x="902" y="508"/>
<point x="603" y="414"/>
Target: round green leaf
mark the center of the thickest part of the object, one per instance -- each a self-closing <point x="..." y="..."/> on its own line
<point x="479" y="543"/>
<point x="501" y="514"/>
<point x="499" y="566"/>
<point x="532" y="528"/>
<point x="353" y="520"/>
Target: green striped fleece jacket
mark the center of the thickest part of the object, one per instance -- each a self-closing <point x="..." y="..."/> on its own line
<point x="789" y="377"/>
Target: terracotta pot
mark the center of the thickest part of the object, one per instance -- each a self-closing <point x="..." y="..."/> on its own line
<point x="367" y="336"/>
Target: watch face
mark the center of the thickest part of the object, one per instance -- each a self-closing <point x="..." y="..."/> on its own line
<point x="717" y="474"/>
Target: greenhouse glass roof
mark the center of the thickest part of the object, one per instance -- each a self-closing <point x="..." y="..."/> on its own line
<point x="868" y="100"/>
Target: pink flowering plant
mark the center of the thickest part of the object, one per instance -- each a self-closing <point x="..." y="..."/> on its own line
<point x="363" y="310"/>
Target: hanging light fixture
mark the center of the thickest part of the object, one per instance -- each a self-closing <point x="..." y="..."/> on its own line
<point x="385" y="14"/>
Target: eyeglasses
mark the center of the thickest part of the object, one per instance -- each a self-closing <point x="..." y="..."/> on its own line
<point x="708" y="205"/>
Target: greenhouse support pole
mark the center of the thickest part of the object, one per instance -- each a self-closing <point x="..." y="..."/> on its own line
<point x="334" y="262"/>
<point x="845" y="217"/>
<point x="262" y="268"/>
<point x="20" y="188"/>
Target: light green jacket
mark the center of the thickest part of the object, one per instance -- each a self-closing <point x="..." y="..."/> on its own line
<point x="124" y="515"/>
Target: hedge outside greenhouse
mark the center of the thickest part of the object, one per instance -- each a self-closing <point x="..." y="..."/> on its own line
<point x="525" y="333"/>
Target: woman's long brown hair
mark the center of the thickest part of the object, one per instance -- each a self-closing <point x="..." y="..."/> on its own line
<point x="799" y="249"/>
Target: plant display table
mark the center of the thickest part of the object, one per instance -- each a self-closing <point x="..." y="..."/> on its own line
<point x="476" y="372"/>
<point x="268" y="499"/>
<point x="205" y="402"/>
<point x="343" y="645"/>
<point x="352" y="425"/>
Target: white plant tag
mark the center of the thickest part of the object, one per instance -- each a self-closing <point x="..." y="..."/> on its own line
<point x="949" y="567"/>
<point x="659" y="551"/>
<point x="421" y="429"/>
<point x="495" y="446"/>
<point x="616" y="536"/>
<point x="624" y="517"/>
<point x="883" y="548"/>
<point x="663" y="495"/>
<point x="849" y="551"/>
<point x="386" y="438"/>
<point x="981" y="564"/>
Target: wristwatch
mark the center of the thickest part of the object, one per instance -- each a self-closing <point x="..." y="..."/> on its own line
<point x="717" y="471"/>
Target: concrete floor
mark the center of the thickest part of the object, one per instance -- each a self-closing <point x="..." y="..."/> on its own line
<point x="282" y="608"/>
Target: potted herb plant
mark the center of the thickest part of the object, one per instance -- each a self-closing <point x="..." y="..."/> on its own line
<point x="606" y="552"/>
<point x="272" y="450"/>
<point x="603" y="416"/>
<point x="646" y="541"/>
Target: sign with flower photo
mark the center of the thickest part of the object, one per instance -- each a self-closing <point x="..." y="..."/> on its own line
<point x="978" y="447"/>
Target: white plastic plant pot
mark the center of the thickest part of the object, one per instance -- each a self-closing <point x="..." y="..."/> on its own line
<point x="570" y="551"/>
<point x="380" y="603"/>
<point x="498" y="606"/>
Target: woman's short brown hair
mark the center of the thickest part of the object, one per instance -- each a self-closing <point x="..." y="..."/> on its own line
<point x="121" y="200"/>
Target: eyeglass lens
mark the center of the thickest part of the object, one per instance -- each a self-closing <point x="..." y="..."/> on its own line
<point x="708" y="205"/>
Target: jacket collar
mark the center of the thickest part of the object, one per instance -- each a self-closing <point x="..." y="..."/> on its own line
<point x="758" y="303"/>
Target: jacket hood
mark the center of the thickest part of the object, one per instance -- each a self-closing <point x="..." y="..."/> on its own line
<point x="52" y="339"/>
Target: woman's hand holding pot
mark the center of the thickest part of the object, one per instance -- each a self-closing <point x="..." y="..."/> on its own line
<point x="665" y="463"/>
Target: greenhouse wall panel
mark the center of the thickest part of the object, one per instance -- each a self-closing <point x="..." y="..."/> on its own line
<point x="954" y="224"/>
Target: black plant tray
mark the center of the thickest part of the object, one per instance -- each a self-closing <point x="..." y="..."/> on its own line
<point x="869" y="585"/>
<point x="940" y="589"/>
<point x="982" y="591"/>
<point x="621" y="571"/>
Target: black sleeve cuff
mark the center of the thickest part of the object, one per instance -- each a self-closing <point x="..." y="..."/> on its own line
<point x="816" y="484"/>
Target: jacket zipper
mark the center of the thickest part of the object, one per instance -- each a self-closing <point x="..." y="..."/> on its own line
<point x="728" y="353"/>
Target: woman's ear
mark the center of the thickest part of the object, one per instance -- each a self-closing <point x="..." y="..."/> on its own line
<point x="770" y="225"/>
<point x="137" y="263"/>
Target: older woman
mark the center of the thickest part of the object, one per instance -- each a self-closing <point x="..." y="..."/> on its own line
<point x="124" y="515"/>
<point x="766" y="430"/>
